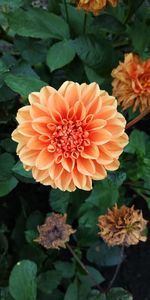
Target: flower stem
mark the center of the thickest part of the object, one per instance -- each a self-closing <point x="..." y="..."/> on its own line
<point x="84" y="23"/>
<point x="138" y="118"/>
<point x="116" y="271"/>
<point x="83" y="267"/>
<point x="66" y="11"/>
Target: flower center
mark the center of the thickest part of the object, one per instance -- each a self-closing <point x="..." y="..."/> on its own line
<point x="69" y="138"/>
<point x="145" y="81"/>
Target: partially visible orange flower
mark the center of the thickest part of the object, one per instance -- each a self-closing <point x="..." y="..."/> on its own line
<point x="122" y="226"/>
<point x="54" y="233"/>
<point x="95" y="6"/>
<point x="70" y="136"/>
<point x="131" y="84"/>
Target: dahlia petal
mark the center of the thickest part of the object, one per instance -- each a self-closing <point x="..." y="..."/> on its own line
<point x="88" y="185"/>
<point x="112" y="149"/>
<point x="34" y="97"/>
<point x="23" y="114"/>
<point x="104" y="158"/>
<point x="44" y="160"/>
<point x="78" y="179"/>
<point x="55" y="170"/>
<point x="28" y="156"/>
<point x="96" y="124"/>
<point x="56" y="116"/>
<point x="26" y="129"/>
<point x="63" y="180"/>
<point x="56" y="102"/>
<point x="18" y="137"/>
<point x="39" y="175"/>
<point x="101" y="137"/>
<point x="100" y="172"/>
<point x="94" y="107"/>
<point x="113" y="166"/>
<point x="123" y="140"/>
<point x="115" y="129"/>
<point x="68" y="164"/>
<point x="79" y="110"/>
<point x="63" y="88"/>
<point x="107" y="112"/>
<point x="89" y="93"/>
<point x="34" y="143"/>
<point x="40" y="127"/>
<point x="108" y="100"/>
<point x="45" y="93"/>
<point x="90" y="151"/>
<point x="48" y="181"/>
<point x="71" y="187"/>
<point x="37" y="110"/>
<point x="72" y="93"/>
<point x="85" y="166"/>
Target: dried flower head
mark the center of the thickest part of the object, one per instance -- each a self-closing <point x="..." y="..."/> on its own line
<point x="95" y="6"/>
<point x="54" y="233"/>
<point x="70" y="136"/>
<point x="122" y="226"/>
<point x="131" y="84"/>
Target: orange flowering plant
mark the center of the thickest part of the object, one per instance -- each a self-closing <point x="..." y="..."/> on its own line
<point x="74" y="149"/>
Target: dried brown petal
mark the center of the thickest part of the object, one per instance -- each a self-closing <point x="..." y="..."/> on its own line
<point x="122" y="226"/>
<point x="54" y="233"/>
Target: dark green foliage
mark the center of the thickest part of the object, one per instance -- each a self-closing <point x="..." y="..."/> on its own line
<point x="41" y="44"/>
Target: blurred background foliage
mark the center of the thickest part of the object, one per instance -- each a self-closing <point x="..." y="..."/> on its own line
<point x="42" y="43"/>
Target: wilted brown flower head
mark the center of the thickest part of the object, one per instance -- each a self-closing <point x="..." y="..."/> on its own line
<point x="122" y="226"/>
<point x="95" y="6"/>
<point x="54" y="233"/>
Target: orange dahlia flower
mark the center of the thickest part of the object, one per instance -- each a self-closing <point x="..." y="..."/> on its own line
<point x="95" y="6"/>
<point x="70" y="136"/>
<point x="131" y="84"/>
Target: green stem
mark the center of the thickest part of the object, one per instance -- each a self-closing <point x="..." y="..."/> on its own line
<point x="117" y="270"/>
<point x="85" y="23"/>
<point x="66" y="11"/>
<point x="83" y="267"/>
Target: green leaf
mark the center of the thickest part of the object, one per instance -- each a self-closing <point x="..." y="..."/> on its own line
<point x="8" y="145"/>
<point x="95" y="53"/>
<point x="72" y="291"/>
<point x="7" y="186"/>
<point x="38" y="23"/>
<point x="137" y="142"/>
<point x="7" y="181"/>
<point x="133" y="6"/>
<point x="21" y="173"/>
<point x="66" y="269"/>
<point x="102" y="255"/>
<point x="76" y="19"/>
<point x="93" y="278"/>
<point x="59" y="200"/>
<point x="139" y="45"/>
<point x="60" y="54"/>
<point x="11" y="5"/>
<point x="49" y="281"/>
<point x="6" y="163"/>
<point x="23" y="85"/>
<point x="96" y="295"/>
<point x="4" y="294"/>
<point x="93" y="76"/>
<point x="109" y="23"/>
<point x="119" y="294"/>
<point x="3" y="67"/>
<point x="22" y="281"/>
